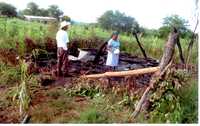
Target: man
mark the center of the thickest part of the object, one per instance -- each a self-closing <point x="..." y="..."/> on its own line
<point x="62" y="54"/>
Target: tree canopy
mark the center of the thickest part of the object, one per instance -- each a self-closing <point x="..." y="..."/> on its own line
<point x="7" y="9"/>
<point x="116" y="20"/>
<point x="54" y="11"/>
<point x="33" y="9"/>
<point x="174" y="21"/>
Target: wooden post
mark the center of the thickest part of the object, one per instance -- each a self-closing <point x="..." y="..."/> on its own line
<point x="141" y="48"/>
<point x="189" y="50"/>
<point x="180" y="51"/>
<point x="164" y="64"/>
<point x="169" y="49"/>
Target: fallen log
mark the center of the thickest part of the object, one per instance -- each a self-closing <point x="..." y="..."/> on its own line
<point x="124" y="73"/>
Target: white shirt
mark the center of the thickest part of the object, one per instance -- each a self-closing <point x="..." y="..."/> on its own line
<point x="62" y="39"/>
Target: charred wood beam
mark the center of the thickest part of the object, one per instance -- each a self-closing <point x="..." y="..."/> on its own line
<point x="180" y="51"/>
<point x="100" y="52"/>
<point x="140" y="45"/>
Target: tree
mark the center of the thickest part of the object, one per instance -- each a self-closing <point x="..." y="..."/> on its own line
<point x="116" y="20"/>
<point x="106" y="20"/>
<point x="7" y="9"/>
<point x="174" y="21"/>
<point x="31" y="9"/>
<point x="54" y="11"/>
<point x="43" y="12"/>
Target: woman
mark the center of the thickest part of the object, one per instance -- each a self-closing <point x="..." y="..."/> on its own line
<point x="113" y="51"/>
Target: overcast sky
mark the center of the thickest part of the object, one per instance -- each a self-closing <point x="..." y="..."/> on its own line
<point x="148" y="13"/>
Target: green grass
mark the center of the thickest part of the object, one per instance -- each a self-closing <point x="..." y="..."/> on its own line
<point x="15" y="30"/>
<point x="91" y="115"/>
<point x="9" y="76"/>
<point x="189" y="102"/>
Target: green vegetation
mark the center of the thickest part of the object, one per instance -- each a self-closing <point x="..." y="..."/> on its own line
<point x="7" y="9"/>
<point x="33" y="9"/>
<point x="173" y="101"/>
<point x="16" y="30"/>
<point x="116" y="20"/>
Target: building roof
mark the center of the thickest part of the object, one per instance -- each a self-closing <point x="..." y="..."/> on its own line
<point x="39" y="17"/>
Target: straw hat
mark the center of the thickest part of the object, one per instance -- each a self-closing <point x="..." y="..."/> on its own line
<point x="63" y="24"/>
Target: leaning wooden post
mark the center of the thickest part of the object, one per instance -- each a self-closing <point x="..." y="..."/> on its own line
<point x="164" y="64"/>
<point x="189" y="50"/>
<point x="100" y="52"/>
<point x="180" y="51"/>
<point x="141" y="48"/>
<point x="169" y="49"/>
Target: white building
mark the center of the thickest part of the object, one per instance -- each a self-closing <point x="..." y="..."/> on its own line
<point x="39" y="18"/>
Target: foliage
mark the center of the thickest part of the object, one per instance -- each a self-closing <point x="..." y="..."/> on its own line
<point x="24" y="96"/>
<point x="7" y="9"/>
<point x="43" y="12"/>
<point x="169" y="103"/>
<point x="14" y="31"/>
<point x="9" y="76"/>
<point x="84" y="88"/>
<point x="92" y="116"/>
<point x="189" y="102"/>
<point x="54" y="11"/>
<point x="175" y="21"/>
<point x="33" y="9"/>
<point x="118" y="21"/>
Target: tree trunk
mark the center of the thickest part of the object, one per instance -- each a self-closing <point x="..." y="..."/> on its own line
<point x="164" y="64"/>
<point x="169" y="49"/>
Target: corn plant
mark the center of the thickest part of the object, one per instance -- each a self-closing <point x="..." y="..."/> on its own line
<point x="23" y="92"/>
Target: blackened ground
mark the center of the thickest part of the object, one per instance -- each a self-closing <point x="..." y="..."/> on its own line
<point x="45" y="64"/>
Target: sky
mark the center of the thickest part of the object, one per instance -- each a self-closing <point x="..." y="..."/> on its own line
<point x="148" y="13"/>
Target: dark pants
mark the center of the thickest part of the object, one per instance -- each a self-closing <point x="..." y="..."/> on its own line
<point x="62" y="62"/>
